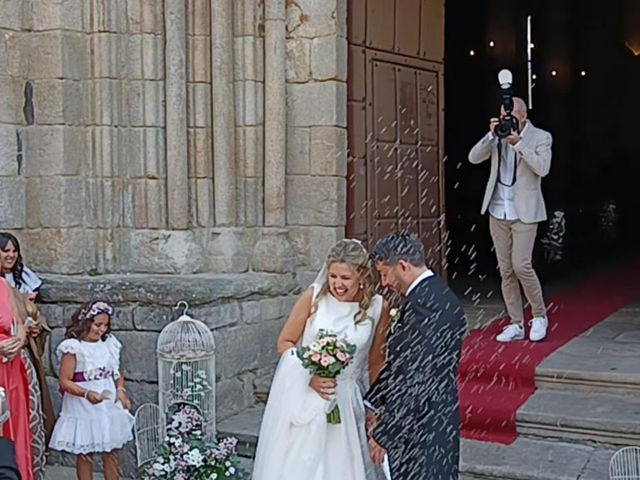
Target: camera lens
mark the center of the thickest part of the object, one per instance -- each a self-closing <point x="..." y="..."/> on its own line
<point x="503" y="129"/>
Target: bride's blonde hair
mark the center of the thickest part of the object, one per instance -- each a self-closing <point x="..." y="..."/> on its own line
<point x="353" y="253"/>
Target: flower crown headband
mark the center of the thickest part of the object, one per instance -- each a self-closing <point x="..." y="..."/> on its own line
<point x="96" y="309"/>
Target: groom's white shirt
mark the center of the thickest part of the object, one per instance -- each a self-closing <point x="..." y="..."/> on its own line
<point x="426" y="274"/>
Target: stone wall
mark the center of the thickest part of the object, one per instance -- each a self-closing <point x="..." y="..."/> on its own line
<point x="86" y="154"/>
<point x="134" y="165"/>
<point x="245" y="313"/>
<point x="240" y="309"/>
<point x="317" y="135"/>
<point x="84" y="128"/>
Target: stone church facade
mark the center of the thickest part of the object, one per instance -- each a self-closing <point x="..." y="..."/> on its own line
<point x="155" y="151"/>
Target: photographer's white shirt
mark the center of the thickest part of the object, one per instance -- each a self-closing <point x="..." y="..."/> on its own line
<point x="503" y="204"/>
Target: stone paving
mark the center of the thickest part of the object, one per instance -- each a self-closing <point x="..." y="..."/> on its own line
<point x="56" y="472"/>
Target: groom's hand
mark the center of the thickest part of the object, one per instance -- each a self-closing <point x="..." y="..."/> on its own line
<point x="371" y="421"/>
<point x="376" y="452"/>
<point x="325" y="387"/>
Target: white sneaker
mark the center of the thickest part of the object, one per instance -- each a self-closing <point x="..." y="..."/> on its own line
<point x="510" y="333"/>
<point x="538" y="328"/>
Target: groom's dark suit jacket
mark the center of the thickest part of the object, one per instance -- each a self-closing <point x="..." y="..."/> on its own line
<point x="417" y="390"/>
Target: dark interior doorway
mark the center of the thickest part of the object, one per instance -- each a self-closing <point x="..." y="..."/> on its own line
<point x="591" y="106"/>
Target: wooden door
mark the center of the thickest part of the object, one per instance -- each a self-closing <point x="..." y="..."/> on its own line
<point x="395" y="120"/>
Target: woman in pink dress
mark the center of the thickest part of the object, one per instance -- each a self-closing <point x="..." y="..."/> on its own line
<point x="14" y="380"/>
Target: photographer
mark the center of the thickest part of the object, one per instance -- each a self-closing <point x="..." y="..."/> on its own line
<point x="520" y="156"/>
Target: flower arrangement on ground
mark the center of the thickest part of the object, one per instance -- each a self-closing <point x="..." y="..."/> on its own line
<point x="186" y="455"/>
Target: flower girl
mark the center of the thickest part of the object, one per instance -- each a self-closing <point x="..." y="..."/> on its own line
<point x="95" y="404"/>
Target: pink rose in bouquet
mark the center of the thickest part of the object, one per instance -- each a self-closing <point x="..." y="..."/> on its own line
<point x="327" y="357"/>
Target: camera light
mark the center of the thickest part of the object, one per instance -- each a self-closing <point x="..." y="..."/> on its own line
<point x="534" y="76"/>
<point x="472" y="53"/>
<point x="491" y="44"/>
<point x="554" y="73"/>
<point x="505" y="78"/>
<point x="583" y="73"/>
<point x="531" y="45"/>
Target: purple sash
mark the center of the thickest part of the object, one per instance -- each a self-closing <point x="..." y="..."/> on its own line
<point x="81" y="377"/>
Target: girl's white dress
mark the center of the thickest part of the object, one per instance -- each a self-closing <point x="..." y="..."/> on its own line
<point x="84" y="428"/>
<point x="296" y="442"/>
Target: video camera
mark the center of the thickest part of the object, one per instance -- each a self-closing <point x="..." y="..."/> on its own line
<point x="508" y="122"/>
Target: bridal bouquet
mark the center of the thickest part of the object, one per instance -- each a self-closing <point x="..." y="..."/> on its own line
<point x="327" y="356"/>
<point x="187" y="455"/>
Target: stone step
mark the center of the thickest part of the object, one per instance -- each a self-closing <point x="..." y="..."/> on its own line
<point x="581" y="417"/>
<point x="525" y="459"/>
<point x="59" y="472"/>
<point x="567" y="380"/>
<point x="604" y="359"/>
<point x="245" y="427"/>
<point x="531" y="459"/>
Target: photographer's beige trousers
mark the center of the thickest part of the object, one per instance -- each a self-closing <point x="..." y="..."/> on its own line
<point x="513" y="241"/>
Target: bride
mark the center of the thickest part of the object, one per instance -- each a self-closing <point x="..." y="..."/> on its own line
<point x="296" y="442"/>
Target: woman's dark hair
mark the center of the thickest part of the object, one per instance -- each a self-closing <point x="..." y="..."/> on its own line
<point x="16" y="271"/>
<point x="81" y="322"/>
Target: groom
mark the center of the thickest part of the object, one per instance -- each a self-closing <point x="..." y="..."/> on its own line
<point x="415" y="399"/>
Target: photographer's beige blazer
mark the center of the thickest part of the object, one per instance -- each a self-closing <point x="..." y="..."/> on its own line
<point x="533" y="155"/>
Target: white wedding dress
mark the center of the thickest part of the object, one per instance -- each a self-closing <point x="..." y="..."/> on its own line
<point x="296" y="442"/>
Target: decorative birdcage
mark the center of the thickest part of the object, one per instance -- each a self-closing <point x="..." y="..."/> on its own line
<point x="186" y="368"/>
<point x="150" y="428"/>
<point x="625" y="464"/>
<point x="186" y="374"/>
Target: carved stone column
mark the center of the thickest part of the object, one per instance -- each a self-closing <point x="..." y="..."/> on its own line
<point x="176" y="114"/>
<point x="223" y="111"/>
<point x="275" y="114"/>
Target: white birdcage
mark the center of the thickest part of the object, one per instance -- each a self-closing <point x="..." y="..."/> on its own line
<point x="150" y="431"/>
<point x="186" y="368"/>
<point x="186" y="374"/>
<point x="625" y="464"/>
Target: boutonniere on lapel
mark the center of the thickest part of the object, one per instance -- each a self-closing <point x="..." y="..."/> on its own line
<point x="394" y="316"/>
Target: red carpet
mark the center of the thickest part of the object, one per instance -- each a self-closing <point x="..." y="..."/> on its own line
<point x="496" y="379"/>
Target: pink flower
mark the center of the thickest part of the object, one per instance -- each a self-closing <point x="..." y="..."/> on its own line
<point x="325" y="361"/>
<point x="324" y="341"/>
<point x="342" y="356"/>
<point x="315" y="357"/>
